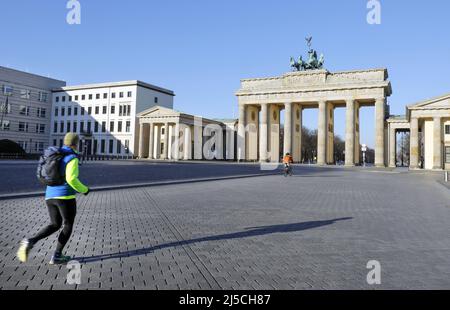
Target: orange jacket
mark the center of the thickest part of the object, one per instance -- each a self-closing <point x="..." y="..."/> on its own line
<point x="288" y="160"/>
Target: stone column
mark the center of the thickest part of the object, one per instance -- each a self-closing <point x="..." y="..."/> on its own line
<point x="392" y="147"/>
<point x="297" y="133"/>
<point x="158" y="141"/>
<point x="176" y="143"/>
<point x="263" y="133"/>
<point x="241" y="134"/>
<point x="166" y="141"/>
<point x="322" y="133"/>
<point x="379" y="131"/>
<point x="288" y="128"/>
<point x="437" y="143"/>
<point x="198" y="138"/>
<point x="414" y="143"/>
<point x="151" y="147"/>
<point x="187" y="143"/>
<point x="350" y="134"/>
<point x="141" y="140"/>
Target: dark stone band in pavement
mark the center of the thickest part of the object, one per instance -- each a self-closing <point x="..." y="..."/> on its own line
<point x="138" y="185"/>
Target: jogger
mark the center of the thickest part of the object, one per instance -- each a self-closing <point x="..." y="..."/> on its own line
<point x="61" y="202"/>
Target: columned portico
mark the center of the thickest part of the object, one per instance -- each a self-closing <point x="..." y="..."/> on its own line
<point x="320" y="89"/>
<point x="168" y="134"/>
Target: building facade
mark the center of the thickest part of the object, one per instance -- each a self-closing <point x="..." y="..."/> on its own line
<point x="261" y="101"/>
<point x="172" y="135"/>
<point x="105" y="115"/>
<point x="25" y="108"/>
<point x="429" y="125"/>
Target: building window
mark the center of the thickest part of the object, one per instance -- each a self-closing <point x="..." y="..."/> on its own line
<point x="447" y="129"/>
<point x="89" y="127"/>
<point x="70" y="98"/>
<point x="111" y="126"/>
<point x="75" y="111"/>
<point x="81" y="126"/>
<point x="119" y="126"/>
<point x="119" y="147"/>
<point x="61" y="127"/>
<point x="90" y="96"/>
<point x="103" y="126"/>
<point x="97" y="96"/>
<point x="89" y="110"/>
<point x="76" y="97"/>
<point x="5" y="108"/>
<point x="130" y="94"/>
<point x="128" y="110"/>
<point x="63" y="98"/>
<point x="82" y="110"/>
<point x="56" y="99"/>
<point x="111" y="146"/>
<point x="128" y="126"/>
<point x="55" y="128"/>
<point x="42" y="96"/>
<point x="63" y="111"/>
<point x="96" y="127"/>
<point x="113" y="109"/>
<point x="75" y="125"/>
<point x="120" y="110"/>
<point x="105" y="96"/>
<point x="102" y="147"/>
<point x="54" y="142"/>
<point x="69" y="111"/>
<point x="97" y="110"/>
<point x="24" y="110"/>
<point x="83" y="97"/>
<point x="56" y="111"/>
<point x="113" y="95"/>
<point x="7" y="90"/>
<point x="156" y="99"/>
<point x="23" y="127"/>
<point x="41" y="128"/>
<point x="105" y="109"/>
<point x="447" y="154"/>
<point x="68" y="126"/>
<point x="5" y="125"/>
<point x="41" y="112"/>
<point x="25" y="94"/>
<point x="121" y="94"/>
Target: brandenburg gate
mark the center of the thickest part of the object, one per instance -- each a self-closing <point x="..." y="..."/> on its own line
<point x="262" y="100"/>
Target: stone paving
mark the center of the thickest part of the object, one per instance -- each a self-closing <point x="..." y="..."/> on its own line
<point x="316" y="230"/>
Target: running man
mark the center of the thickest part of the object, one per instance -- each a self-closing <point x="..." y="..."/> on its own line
<point x="61" y="204"/>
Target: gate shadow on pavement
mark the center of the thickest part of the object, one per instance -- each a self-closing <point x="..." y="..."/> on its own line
<point x="248" y="232"/>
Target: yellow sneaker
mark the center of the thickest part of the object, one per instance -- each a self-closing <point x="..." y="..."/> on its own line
<point x="24" y="249"/>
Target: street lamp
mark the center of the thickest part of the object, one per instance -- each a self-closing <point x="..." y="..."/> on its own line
<point x="364" y="150"/>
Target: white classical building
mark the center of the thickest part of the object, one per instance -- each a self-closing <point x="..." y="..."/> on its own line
<point x="172" y="135"/>
<point x="105" y="115"/>
<point x="429" y="125"/>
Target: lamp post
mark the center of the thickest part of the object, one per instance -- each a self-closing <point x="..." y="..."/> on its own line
<point x="364" y="150"/>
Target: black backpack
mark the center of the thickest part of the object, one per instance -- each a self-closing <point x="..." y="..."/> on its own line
<point x="48" y="171"/>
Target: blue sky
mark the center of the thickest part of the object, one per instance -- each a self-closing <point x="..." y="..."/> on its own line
<point x="201" y="49"/>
